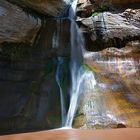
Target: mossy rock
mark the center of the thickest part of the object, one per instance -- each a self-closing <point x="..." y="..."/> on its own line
<point x="79" y="121"/>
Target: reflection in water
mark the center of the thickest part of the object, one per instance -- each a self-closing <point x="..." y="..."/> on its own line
<point x="115" y="100"/>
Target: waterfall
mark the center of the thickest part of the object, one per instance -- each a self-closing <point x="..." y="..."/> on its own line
<point x="60" y="60"/>
<point x="63" y="109"/>
<point x="78" y="74"/>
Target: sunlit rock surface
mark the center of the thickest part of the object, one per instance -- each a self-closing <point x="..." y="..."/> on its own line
<point x="115" y="100"/>
<point x="16" y="25"/>
<point x="50" y="7"/>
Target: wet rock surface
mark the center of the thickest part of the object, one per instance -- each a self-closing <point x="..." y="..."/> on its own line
<point x="114" y="102"/>
<point x="30" y="95"/>
<point x="112" y="41"/>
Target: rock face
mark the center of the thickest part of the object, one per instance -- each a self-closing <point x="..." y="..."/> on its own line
<point x="114" y="101"/>
<point x="16" y="25"/>
<point x="113" y="30"/>
<point x="115" y="2"/>
<point x="30" y="95"/>
<point x="114" y="34"/>
<point x="87" y="7"/>
<point x="105" y="2"/>
<point x="29" y="91"/>
<point x="55" y="37"/>
<point x="51" y="7"/>
<point x="124" y="2"/>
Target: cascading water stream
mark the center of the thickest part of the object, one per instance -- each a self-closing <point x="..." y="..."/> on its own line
<point x="78" y="73"/>
<point x="60" y="61"/>
<point x="63" y="109"/>
<point x="86" y="94"/>
<point x="81" y="79"/>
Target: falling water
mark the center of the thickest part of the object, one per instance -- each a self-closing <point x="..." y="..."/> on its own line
<point x="63" y="109"/>
<point x="83" y="81"/>
<point x="78" y="73"/>
<point x="60" y="60"/>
